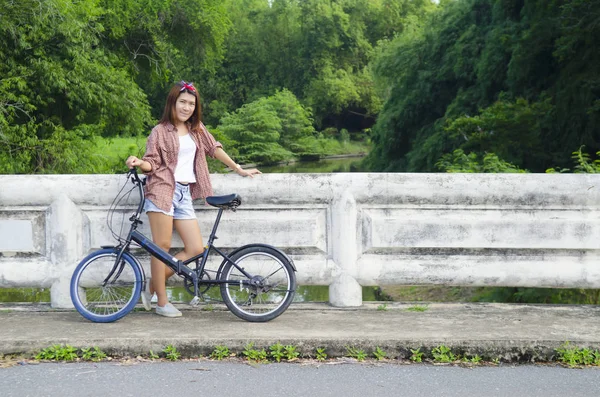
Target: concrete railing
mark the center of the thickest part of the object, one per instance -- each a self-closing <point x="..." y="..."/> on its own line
<point x="342" y="230"/>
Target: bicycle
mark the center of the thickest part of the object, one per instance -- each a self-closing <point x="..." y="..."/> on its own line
<point x="257" y="281"/>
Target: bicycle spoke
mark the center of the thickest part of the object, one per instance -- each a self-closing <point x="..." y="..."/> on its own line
<point x="265" y="292"/>
<point x="99" y="300"/>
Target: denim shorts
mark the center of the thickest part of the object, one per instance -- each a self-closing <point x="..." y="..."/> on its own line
<point x="182" y="207"/>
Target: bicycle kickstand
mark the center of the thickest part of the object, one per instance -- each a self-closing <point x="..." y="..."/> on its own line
<point x="195" y="300"/>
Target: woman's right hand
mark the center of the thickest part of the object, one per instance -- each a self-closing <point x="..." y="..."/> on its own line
<point x="133" y="161"/>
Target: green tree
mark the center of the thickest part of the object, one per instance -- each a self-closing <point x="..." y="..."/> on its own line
<point x="460" y="162"/>
<point x="296" y="121"/>
<point x="256" y="128"/>
<point x="471" y="55"/>
<point x="59" y="88"/>
<point x="318" y="49"/>
<point x="73" y="71"/>
<point x="509" y="129"/>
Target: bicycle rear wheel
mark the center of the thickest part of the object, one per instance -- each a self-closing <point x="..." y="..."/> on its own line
<point x="268" y="289"/>
<point x="104" y="291"/>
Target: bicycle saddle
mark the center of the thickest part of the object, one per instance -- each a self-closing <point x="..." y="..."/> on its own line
<point x="229" y="201"/>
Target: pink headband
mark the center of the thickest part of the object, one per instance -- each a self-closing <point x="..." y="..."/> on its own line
<point x="186" y="86"/>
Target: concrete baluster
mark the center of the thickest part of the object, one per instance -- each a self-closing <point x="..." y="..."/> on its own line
<point x="66" y="224"/>
<point x="345" y="291"/>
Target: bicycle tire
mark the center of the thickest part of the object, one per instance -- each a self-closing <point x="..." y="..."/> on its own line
<point x="267" y="293"/>
<point x="108" y="303"/>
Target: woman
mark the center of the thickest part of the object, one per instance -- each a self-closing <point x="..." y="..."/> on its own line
<point x="175" y="162"/>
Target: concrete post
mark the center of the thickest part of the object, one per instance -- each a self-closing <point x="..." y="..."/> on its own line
<point x="65" y="246"/>
<point x="345" y="291"/>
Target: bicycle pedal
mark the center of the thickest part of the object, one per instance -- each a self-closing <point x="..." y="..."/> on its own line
<point x="195" y="301"/>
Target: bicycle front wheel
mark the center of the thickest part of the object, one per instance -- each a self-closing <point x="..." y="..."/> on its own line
<point x="103" y="290"/>
<point x="260" y="286"/>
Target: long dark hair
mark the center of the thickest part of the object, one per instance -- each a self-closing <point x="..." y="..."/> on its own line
<point x="169" y="112"/>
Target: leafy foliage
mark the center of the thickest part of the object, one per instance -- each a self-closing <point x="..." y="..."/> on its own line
<point x="68" y="75"/>
<point x="458" y="161"/>
<point x="257" y="129"/>
<point x="58" y="353"/>
<point x="541" y="295"/>
<point x="527" y="70"/>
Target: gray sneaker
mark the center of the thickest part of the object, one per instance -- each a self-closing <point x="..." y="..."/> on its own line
<point x="146" y="296"/>
<point x="168" y="310"/>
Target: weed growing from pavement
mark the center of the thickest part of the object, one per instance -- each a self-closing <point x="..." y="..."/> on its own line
<point x="443" y="354"/>
<point x="568" y="355"/>
<point x="58" y="353"/>
<point x="321" y="355"/>
<point x="220" y="352"/>
<point x="356" y="353"/>
<point x="383" y="307"/>
<point x="291" y="352"/>
<point x="575" y="356"/>
<point x="171" y="353"/>
<point x="417" y="355"/>
<point x="473" y="360"/>
<point x="277" y="352"/>
<point x="92" y="354"/>
<point x="379" y="354"/>
<point x="476" y="359"/>
<point x="253" y="354"/>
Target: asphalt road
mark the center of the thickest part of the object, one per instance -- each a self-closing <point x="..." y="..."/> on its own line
<point x="333" y="378"/>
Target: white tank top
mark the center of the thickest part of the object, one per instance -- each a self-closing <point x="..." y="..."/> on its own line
<point x="185" y="160"/>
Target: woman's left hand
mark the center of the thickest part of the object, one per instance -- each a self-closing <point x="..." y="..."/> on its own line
<point x="250" y="172"/>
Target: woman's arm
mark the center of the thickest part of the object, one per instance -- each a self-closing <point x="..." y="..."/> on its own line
<point x="151" y="158"/>
<point x="225" y="159"/>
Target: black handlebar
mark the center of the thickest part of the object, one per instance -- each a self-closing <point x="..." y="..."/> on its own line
<point x="133" y="172"/>
<point x="135" y="179"/>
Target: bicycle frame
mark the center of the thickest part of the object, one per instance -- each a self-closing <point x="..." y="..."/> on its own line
<point x="179" y="267"/>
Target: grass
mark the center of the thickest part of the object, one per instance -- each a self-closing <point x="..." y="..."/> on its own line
<point x="120" y="148"/>
<point x="430" y="293"/>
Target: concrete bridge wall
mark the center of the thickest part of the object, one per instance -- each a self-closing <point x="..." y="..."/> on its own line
<point x="343" y="230"/>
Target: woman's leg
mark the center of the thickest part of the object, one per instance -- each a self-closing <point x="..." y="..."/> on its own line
<point x="189" y="231"/>
<point x="161" y="226"/>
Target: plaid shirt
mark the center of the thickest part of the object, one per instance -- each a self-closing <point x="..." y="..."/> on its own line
<point x="162" y="149"/>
